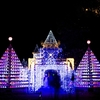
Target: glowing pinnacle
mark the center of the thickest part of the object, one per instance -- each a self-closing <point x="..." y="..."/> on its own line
<point x="10" y="38"/>
<point x="88" y="41"/>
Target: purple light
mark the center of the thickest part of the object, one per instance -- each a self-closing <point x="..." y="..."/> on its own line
<point x="18" y="75"/>
<point x="88" y="71"/>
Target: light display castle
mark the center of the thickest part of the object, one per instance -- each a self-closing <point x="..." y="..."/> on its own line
<point x="14" y="75"/>
<point x="47" y="58"/>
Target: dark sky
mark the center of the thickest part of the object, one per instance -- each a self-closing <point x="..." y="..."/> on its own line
<point x="30" y="23"/>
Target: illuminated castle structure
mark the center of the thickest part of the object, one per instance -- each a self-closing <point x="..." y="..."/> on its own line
<point x="46" y="58"/>
<point x="12" y="73"/>
<point x="88" y="70"/>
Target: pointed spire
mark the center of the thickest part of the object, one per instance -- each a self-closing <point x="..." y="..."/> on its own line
<point x="13" y="71"/>
<point x="24" y="63"/>
<point x="87" y="72"/>
<point x="36" y="48"/>
<point x="50" y="40"/>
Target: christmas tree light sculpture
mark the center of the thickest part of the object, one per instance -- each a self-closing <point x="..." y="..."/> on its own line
<point x="88" y="71"/>
<point x="12" y="73"/>
<point x="46" y="58"/>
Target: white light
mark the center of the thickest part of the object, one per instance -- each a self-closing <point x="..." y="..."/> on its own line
<point x="49" y="62"/>
<point x="88" y="41"/>
<point x="50" y="54"/>
<point x="10" y="38"/>
<point x="37" y="75"/>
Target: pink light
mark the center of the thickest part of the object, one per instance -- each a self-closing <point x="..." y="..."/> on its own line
<point x="88" y="41"/>
<point x="10" y="38"/>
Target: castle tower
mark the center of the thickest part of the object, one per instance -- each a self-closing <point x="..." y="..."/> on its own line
<point x="12" y="73"/>
<point x="50" y="41"/>
<point x="88" y="70"/>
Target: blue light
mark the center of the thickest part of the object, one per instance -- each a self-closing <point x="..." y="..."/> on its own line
<point x="49" y="61"/>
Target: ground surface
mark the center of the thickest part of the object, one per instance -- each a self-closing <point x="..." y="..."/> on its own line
<point x="78" y="95"/>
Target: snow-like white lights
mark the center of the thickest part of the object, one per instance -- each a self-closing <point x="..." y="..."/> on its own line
<point x="38" y="75"/>
<point x="10" y="38"/>
<point x="88" y="41"/>
<point x="50" y="54"/>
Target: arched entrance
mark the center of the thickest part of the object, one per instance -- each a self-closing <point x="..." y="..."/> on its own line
<point x="52" y="78"/>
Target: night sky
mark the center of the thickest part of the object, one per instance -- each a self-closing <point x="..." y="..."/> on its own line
<point x="30" y="23"/>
